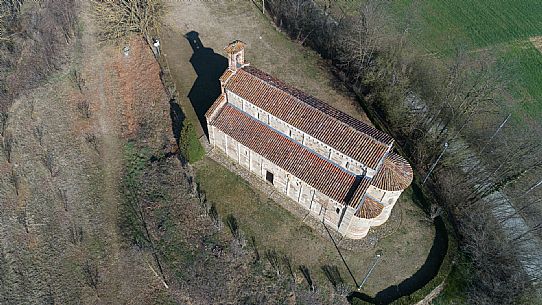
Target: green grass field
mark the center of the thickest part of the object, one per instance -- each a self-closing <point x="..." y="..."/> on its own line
<point x="500" y="27"/>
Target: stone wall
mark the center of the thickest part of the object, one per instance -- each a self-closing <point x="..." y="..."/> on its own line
<point x="432" y="295"/>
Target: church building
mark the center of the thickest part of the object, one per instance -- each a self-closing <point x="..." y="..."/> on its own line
<point x="340" y="169"/>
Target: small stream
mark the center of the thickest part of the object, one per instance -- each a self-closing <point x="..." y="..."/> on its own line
<point x="419" y="279"/>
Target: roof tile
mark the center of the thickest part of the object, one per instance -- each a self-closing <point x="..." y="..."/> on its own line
<point x="394" y="175"/>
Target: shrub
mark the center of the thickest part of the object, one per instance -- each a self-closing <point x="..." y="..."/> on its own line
<point x="118" y="18"/>
<point x="189" y="145"/>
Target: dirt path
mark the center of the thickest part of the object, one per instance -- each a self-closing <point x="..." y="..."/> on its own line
<point x="111" y="152"/>
<point x="107" y="120"/>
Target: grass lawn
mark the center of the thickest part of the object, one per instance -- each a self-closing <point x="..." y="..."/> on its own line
<point x="273" y="227"/>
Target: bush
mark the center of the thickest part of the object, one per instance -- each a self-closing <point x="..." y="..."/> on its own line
<point x="118" y="18"/>
<point x="130" y="219"/>
<point x="189" y="145"/>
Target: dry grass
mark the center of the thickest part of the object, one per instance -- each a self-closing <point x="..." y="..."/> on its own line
<point x="537" y="42"/>
<point x="220" y="22"/>
<point x="61" y="230"/>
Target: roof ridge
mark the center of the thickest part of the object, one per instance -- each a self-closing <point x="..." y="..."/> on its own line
<point x="286" y="87"/>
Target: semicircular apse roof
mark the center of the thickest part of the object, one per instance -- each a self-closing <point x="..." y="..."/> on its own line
<point x="394" y="175"/>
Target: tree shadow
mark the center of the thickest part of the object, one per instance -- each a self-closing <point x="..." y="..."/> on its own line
<point x="177" y="118"/>
<point x="209" y="66"/>
<point x="419" y="279"/>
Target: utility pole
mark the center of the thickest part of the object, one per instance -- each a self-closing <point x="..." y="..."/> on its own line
<point x="496" y="132"/>
<point x="435" y="164"/>
<point x="377" y="257"/>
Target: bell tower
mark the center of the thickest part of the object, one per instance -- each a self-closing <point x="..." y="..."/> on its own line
<point x="236" y="55"/>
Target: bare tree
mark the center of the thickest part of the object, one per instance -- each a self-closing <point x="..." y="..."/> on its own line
<point x="91" y="274"/>
<point x="31" y="105"/>
<point x="213" y="214"/>
<point x="93" y="141"/>
<point x="3" y="122"/>
<point x="332" y="274"/>
<point x="287" y="262"/>
<point x="307" y="275"/>
<point x="38" y="133"/>
<point x="84" y="108"/>
<point x="50" y="163"/>
<point x="254" y="246"/>
<point x="75" y="233"/>
<point x="16" y="181"/>
<point x="78" y="80"/>
<point x="498" y="277"/>
<point x="8" y="144"/>
<point x="274" y="260"/>
<point x="232" y="224"/>
<point x="22" y="217"/>
<point x="365" y="37"/>
<point x="118" y="18"/>
<point x="64" y="198"/>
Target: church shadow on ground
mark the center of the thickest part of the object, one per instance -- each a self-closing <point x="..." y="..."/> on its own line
<point x="209" y="66"/>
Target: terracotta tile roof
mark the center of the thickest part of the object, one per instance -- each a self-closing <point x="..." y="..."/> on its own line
<point x="394" y="175"/>
<point x="216" y="104"/>
<point x="359" y="192"/>
<point x="369" y="209"/>
<point x="226" y="75"/>
<point x="327" y="124"/>
<point x="235" y="46"/>
<point x="292" y="157"/>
